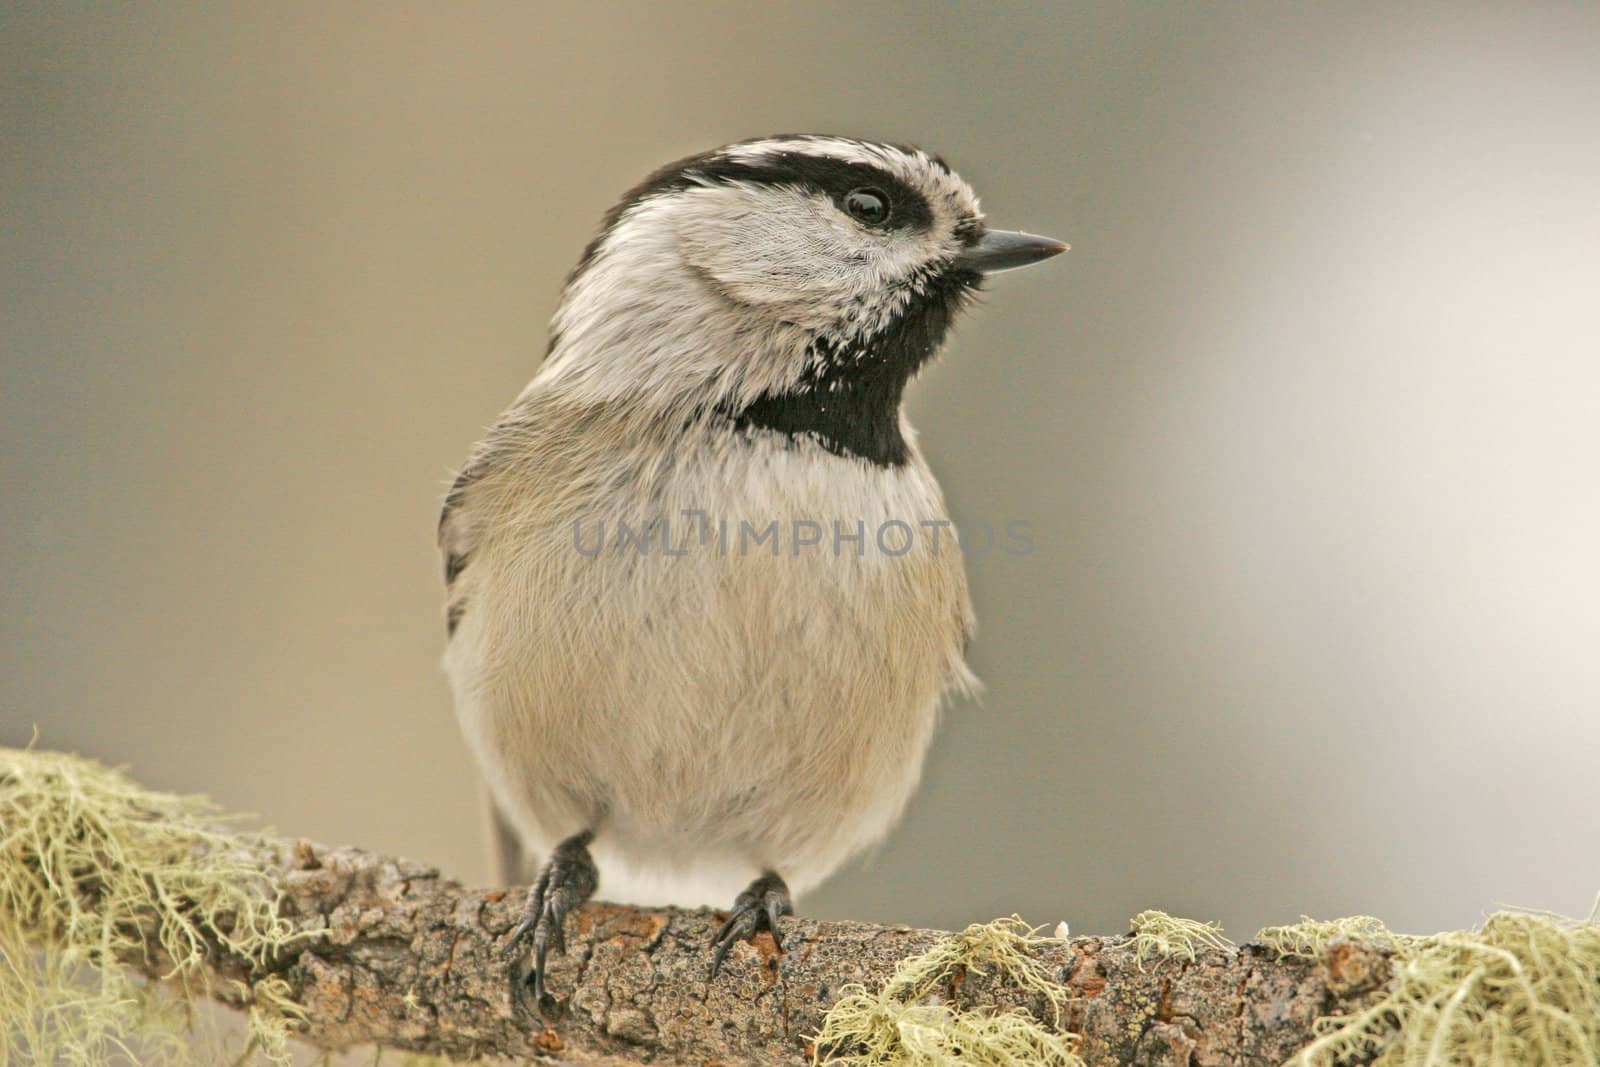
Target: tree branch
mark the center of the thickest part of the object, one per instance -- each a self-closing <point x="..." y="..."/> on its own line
<point x="401" y="957"/>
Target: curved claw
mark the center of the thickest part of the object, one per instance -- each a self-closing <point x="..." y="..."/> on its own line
<point x="540" y="943"/>
<point x="513" y="946"/>
<point x="775" y="910"/>
<point x="567" y="880"/>
<point x="532" y="911"/>
<point x="766" y="901"/>
<point x="550" y="933"/>
<point x="740" y="926"/>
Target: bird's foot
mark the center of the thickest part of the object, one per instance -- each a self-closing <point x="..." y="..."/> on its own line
<point x="764" y="902"/>
<point x="567" y="879"/>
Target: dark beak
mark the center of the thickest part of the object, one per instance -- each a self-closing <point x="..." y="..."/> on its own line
<point x="1006" y="250"/>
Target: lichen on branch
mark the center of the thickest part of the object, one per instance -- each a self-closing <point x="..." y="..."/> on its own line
<point x="96" y="870"/>
<point x="121" y="907"/>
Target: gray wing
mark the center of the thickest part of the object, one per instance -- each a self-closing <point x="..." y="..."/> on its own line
<point x="456" y="541"/>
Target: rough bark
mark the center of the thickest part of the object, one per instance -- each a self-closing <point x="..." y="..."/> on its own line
<point x="404" y="958"/>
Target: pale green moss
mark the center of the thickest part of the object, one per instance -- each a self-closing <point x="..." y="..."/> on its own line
<point x="1525" y="988"/>
<point x="95" y="869"/>
<point x="908" y="1022"/>
<point x="1159" y="936"/>
<point x="1307" y="938"/>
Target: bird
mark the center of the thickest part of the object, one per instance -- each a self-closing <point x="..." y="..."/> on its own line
<point x="703" y="600"/>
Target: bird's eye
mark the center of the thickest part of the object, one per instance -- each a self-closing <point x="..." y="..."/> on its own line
<point x="868" y="205"/>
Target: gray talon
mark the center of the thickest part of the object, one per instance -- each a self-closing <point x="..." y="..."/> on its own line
<point x="568" y="879"/>
<point x="765" y="902"/>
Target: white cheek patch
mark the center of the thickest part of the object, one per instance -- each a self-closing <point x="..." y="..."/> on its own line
<point x="793" y="252"/>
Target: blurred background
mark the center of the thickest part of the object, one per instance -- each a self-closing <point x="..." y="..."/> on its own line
<point x="1306" y="426"/>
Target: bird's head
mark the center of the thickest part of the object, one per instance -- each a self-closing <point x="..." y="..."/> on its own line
<point x="774" y="272"/>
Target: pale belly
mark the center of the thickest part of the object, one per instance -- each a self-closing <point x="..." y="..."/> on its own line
<point x="717" y="712"/>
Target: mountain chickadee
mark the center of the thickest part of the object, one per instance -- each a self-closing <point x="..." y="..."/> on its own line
<point x="700" y="613"/>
